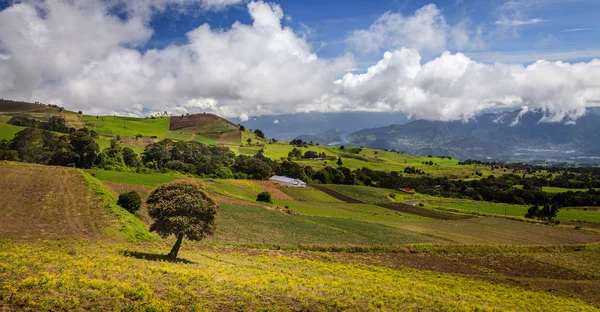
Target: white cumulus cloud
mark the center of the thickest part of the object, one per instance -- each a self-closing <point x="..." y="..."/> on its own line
<point x="426" y="31"/>
<point x="92" y="63"/>
<point x="453" y="87"/>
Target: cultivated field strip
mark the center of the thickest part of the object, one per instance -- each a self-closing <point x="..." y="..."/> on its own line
<point x="44" y="201"/>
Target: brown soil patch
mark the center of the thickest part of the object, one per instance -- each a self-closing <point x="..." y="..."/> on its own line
<point x="180" y="122"/>
<point x="118" y="188"/>
<point x="231" y="137"/>
<point x="44" y="201"/>
<point x="274" y="189"/>
<point x="222" y="199"/>
<point x="518" y="266"/>
<point x="143" y="141"/>
<point x="439" y="215"/>
<point x="583" y="224"/>
<point x="583" y="208"/>
<point x="336" y="195"/>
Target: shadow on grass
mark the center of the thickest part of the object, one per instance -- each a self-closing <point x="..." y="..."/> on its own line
<point x="154" y="257"/>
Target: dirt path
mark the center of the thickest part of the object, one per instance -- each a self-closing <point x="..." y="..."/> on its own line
<point x="274" y="189"/>
<point x="439" y="215"/>
<point x="337" y="195"/>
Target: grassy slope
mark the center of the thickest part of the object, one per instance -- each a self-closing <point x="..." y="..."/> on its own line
<point x="129" y="227"/>
<point x="70" y="275"/>
<point x="7" y="132"/>
<point x="134" y="178"/>
<point x="378" y="160"/>
<point x="128" y="126"/>
<point x="510" y="210"/>
<point x="255" y="225"/>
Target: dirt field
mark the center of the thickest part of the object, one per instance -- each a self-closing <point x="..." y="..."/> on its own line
<point x="337" y="195"/>
<point x="423" y="212"/>
<point x="180" y="122"/>
<point x="229" y="138"/>
<point x="44" y="201"/>
<point x="141" y="142"/>
<point x="274" y="189"/>
<point x="396" y="206"/>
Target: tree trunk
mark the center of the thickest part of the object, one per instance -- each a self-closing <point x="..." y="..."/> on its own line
<point x="175" y="249"/>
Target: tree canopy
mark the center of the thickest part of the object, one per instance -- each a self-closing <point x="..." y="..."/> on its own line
<point x="183" y="209"/>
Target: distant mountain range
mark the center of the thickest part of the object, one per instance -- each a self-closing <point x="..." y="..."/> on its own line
<point x="290" y="126"/>
<point x="502" y="136"/>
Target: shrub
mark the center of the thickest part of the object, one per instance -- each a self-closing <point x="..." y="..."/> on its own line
<point x="264" y="197"/>
<point x="131" y="201"/>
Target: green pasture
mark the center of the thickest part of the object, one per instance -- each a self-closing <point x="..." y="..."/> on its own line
<point x="564" y="214"/>
<point x="128" y="126"/>
<point x="150" y="180"/>
<point x="256" y="225"/>
<point x="491" y="230"/>
<point x="309" y="194"/>
<point x="239" y="189"/>
<point x="7" y="132"/>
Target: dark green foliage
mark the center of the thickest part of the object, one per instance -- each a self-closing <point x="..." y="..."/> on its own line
<point x="34" y="145"/>
<point x="183" y="209"/>
<point x="111" y="158"/>
<point x="224" y="173"/>
<point x="310" y="154"/>
<point x="532" y="212"/>
<point x="548" y="212"/>
<point x="264" y="197"/>
<point x="130" y="158"/>
<point x="131" y="201"/>
<point x="6" y="153"/>
<point x="295" y="154"/>
<point x="24" y="121"/>
<point x="259" y="133"/>
<point x="56" y="124"/>
<point x="339" y="161"/>
<point x="85" y="147"/>
<point x="253" y="167"/>
<point x="180" y="166"/>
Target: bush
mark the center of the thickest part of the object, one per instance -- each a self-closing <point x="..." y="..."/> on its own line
<point x="131" y="201"/>
<point x="264" y="197"/>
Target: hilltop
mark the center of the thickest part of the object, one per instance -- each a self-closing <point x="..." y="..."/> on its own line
<point x="133" y="132"/>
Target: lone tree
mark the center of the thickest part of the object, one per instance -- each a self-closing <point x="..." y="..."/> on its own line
<point x="339" y="162"/>
<point x="181" y="208"/>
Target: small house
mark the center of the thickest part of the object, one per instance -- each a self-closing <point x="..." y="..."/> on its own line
<point x="407" y="190"/>
<point x="289" y="182"/>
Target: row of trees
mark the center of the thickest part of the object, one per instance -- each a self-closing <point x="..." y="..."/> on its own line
<point x="40" y="146"/>
<point x="54" y="123"/>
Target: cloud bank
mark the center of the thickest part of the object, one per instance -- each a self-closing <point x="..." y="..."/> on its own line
<point x="92" y="63"/>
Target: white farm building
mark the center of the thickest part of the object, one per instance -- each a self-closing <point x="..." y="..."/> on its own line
<point x="289" y="182"/>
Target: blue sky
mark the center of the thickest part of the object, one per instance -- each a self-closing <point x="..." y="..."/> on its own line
<point x="439" y="60"/>
<point x="555" y="27"/>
